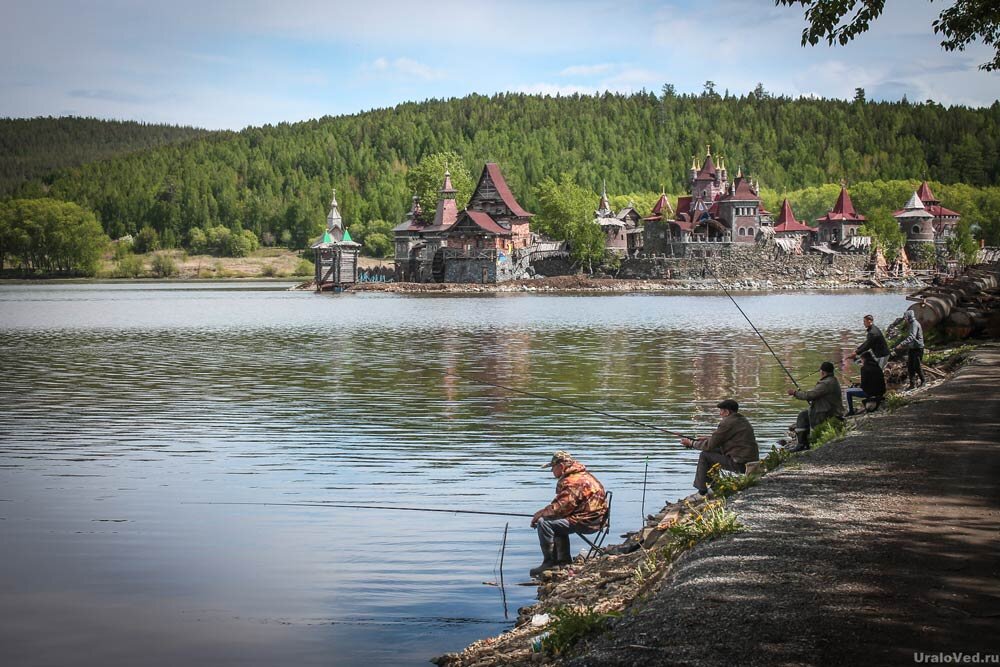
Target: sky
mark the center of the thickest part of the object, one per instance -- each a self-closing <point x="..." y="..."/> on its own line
<point x="229" y="65"/>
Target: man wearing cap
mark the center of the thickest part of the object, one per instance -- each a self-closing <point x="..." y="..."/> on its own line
<point x="732" y="445"/>
<point x="825" y="402"/>
<point x="579" y="507"/>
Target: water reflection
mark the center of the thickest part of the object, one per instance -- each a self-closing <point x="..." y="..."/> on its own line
<point x="123" y="404"/>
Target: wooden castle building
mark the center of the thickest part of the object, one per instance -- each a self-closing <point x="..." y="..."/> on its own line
<point x="924" y="220"/>
<point x="715" y="211"/>
<point x="336" y="254"/>
<point x="479" y="244"/>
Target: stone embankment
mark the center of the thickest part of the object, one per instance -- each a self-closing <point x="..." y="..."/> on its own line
<point x="582" y="283"/>
<point x="876" y="548"/>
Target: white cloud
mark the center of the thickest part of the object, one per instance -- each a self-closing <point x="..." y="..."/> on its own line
<point x="401" y="68"/>
<point x="586" y="70"/>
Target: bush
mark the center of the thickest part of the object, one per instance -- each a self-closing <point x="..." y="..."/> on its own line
<point x="163" y="265"/>
<point x="129" y="266"/>
<point x="305" y="268"/>
<point x="268" y="271"/>
<point x="124" y="246"/>
<point x="222" y="241"/>
<point x="147" y="240"/>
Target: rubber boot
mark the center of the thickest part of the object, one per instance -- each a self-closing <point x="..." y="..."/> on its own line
<point x="549" y="562"/>
<point x="801" y="441"/>
<point x="562" y="554"/>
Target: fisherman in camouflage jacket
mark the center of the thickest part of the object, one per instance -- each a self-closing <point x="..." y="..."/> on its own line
<point x="579" y="507"/>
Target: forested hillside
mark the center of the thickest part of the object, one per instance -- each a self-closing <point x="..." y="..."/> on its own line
<point x="31" y="148"/>
<point x="276" y="181"/>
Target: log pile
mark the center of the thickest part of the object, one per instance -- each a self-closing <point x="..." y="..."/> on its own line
<point x="965" y="306"/>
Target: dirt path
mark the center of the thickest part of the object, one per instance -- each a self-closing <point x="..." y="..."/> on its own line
<point x="866" y="551"/>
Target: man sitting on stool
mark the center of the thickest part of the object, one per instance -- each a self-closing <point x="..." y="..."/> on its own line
<point x="579" y="507"/>
<point x="732" y="445"/>
<point x="872" y="387"/>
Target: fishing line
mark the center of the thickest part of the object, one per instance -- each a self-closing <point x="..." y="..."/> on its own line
<point x="369" y="507"/>
<point x="763" y="340"/>
<point x="562" y="402"/>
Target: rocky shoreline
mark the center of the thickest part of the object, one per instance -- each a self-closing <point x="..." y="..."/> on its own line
<point x="830" y="562"/>
<point x="582" y="283"/>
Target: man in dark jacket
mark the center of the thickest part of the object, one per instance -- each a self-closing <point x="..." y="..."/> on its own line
<point x="874" y="342"/>
<point x="825" y="402"/>
<point x="732" y="445"/>
<point x="579" y="507"/>
<point x="872" y="384"/>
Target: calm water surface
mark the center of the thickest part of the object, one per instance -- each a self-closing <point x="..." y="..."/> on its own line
<point x="127" y="409"/>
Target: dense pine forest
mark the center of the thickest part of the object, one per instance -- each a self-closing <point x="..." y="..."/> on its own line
<point x="31" y="148"/>
<point x="276" y="180"/>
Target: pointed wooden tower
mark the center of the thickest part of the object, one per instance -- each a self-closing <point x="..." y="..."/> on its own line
<point x="336" y="254"/>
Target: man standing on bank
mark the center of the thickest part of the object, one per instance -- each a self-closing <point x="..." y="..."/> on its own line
<point x="579" y="507"/>
<point x="874" y="341"/>
<point x="732" y="445"/>
<point x="825" y="402"/>
<point x="914" y="346"/>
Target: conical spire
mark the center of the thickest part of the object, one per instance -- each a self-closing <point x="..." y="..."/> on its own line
<point x="604" y="208"/>
<point x="447" y="189"/>
<point x="925" y="194"/>
<point x="914" y="208"/>
<point x="334" y="222"/>
<point x="447" y="211"/>
<point x="333" y="218"/>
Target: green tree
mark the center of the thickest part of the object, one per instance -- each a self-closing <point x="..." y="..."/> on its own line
<point x="566" y="212"/>
<point x="50" y="236"/>
<point x="425" y="181"/>
<point x="147" y="240"/>
<point x="884" y="230"/>
<point x="966" y="21"/>
<point x="962" y="245"/>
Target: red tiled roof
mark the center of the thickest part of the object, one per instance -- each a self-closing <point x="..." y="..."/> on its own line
<point x="786" y="221"/>
<point x="742" y="191"/>
<point x="486" y="223"/>
<point x="683" y="224"/>
<point x="707" y="170"/>
<point x="503" y="190"/>
<point x="941" y="211"/>
<point x="683" y="204"/>
<point x="843" y="210"/>
<point x="925" y="194"/>
<point x="660" y="203"/>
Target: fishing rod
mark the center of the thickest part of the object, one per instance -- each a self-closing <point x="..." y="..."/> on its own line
<point x="370" y="507"/>
<point x="763" y="340"/>
<point x="572" y="405"/>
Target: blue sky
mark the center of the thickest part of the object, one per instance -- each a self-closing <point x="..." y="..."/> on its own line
<point x="233" y="64"/>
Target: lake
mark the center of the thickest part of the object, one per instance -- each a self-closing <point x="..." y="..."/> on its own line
<point x="136" y="417"/>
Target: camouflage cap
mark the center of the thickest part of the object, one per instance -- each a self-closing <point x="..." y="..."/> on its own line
<point x="561" y="456"/>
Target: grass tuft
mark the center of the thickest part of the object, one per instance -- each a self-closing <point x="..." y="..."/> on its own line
<point x="831" y="429"/>
<point x="725" y="484"/>
<point x="707" y="522"/>
<point x="570" y="625"/>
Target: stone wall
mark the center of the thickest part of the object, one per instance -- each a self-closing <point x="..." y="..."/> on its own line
<point x="748" y="262"/>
